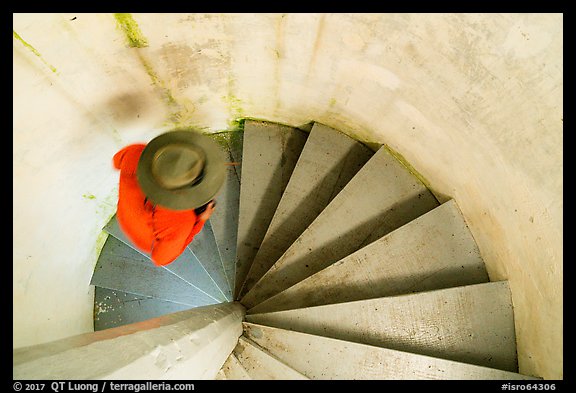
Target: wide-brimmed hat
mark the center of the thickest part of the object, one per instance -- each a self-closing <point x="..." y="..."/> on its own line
<point x="181" y="170"/>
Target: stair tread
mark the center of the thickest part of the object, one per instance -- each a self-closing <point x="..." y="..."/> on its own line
<point x="470" y="324"/>
<point x="113" y="308"/>
<point x="122" y="268"/>
<point x="233" y="370"/>
<point x="434" y="251"/>
<point x="205" y="249"/>
<point x="380" y="198"/>
<point x="224" y="219"/>
<point x="186" y="267"/>
<point x="314" y="356"/>
<point x="328" y="161"/>
<point x="270" y="152"/>
<point x="260" y="364"/>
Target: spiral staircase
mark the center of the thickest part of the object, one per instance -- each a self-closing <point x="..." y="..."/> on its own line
<point x="347" y="265"/>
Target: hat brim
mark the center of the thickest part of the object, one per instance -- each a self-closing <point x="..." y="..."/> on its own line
<point x="188" y="197"/>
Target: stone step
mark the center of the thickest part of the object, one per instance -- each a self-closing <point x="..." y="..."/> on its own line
<point x="328" y="161"/>
<point x="469" y="324"/>
<point x="319" y="357"/>
<point x="233" y="370"/>
<point x="224" y="219"/>
<point x="205" y="249"/>
<point x="113" y="308"/>
<point x="434" y="251"/>
<point x="270" y="153"/>
<point x="260" y="365"/>
<point x="186" y="267"/>
<point x="380" y="198"/>
<point x="120" y="267"/>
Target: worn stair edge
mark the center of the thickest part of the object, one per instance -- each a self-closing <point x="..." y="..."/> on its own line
<point x="434" y="251"/>
<point x="380" y="198"/>
<point x="328" y="161"/>
<point x="270" y="153"/>
<point x="470" y="324"/>
<point x="113" y="308"/>
<point x="224" y="219"/>
<point x="120" y="267"/>
<point x="261" y="365"/>
<point x="186" y="267"/>
<point x="320" y="357"/>
<point x="233" y="370"/>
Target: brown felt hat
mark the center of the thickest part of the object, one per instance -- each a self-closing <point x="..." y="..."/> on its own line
<point x="181" y="170"/>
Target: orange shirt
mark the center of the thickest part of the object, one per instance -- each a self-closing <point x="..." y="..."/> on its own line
<point x="160" y="232"/>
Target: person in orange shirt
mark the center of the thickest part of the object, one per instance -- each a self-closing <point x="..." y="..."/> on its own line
<point x="167" y="190"/>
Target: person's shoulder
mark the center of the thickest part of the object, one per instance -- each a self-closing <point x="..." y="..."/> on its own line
<point x="134" y="148"/>
<point x="127" y="157"/>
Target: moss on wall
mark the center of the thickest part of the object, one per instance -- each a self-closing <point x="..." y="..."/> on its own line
<point x="99" y="244"/>
<point x="234" y="106"/>
<point x="230" y="140"/>
<point x="179" y="114"/>
<point x="128" y="25"/>
<point x="33" y="50"/>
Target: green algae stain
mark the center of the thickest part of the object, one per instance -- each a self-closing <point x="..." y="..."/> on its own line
<point x="98" y="245"/>
<point x="100" y="240"/>
<point x="107" y="207"/>
<point x="128" y="25"/>
<point x="33" y="50"/>
<point x="88" y="196"/>
<point x="166" y="93"/>
<point x="222" y="138"/>
<point x="237" y="124"/>
<point x="234" y="106"/>
<point x="230" y="139"/>
<point x="178" y="113"/>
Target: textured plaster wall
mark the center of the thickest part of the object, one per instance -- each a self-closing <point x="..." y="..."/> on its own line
<point x="473" y="102"/>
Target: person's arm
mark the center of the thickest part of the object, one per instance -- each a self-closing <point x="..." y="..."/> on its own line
<point x="206" y="213"/>
<point x="133" y="153"/>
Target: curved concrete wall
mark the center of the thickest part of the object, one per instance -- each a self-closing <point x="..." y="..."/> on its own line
<point x="472" y="101"/>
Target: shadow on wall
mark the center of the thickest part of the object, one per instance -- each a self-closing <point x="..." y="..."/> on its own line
<point x="125" y="108"/>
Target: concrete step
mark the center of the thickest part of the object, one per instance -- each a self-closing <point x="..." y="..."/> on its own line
<point x="113" y="308"/>
<point x="122" y="268"/>
<point x="380" y="198"/>
<point x="319" y="357"/>
<point x="233" y="370"/>
<point x="328" y="161"/>
<point x="260" y="365"/>
<point x="470" y="324"/>
<point x="224" y="219"/>
<point x="270" y="153"/>
<point x="220" y="376"/>
<point x="186" y="267"/>
<point x="434" y="251"/>
<point x="205" y="249"/>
